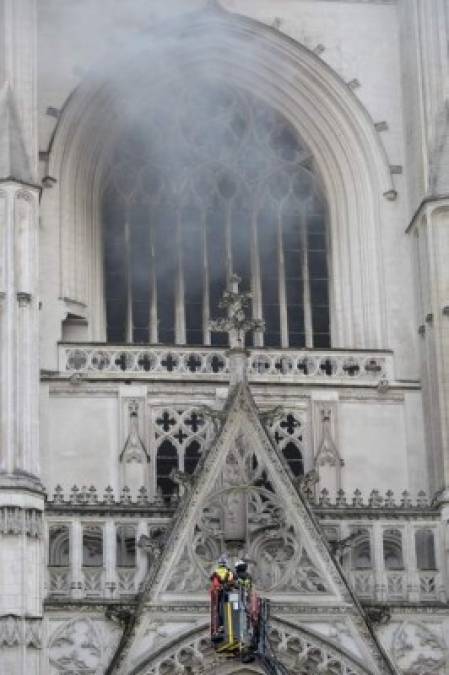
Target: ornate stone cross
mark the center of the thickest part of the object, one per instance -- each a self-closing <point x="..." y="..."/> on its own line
<point x="236" y="324"/>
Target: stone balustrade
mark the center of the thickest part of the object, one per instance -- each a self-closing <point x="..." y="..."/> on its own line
<point x="323" y="366"/>
<point x="358" y="529"/>
<point x="320" y="501"/>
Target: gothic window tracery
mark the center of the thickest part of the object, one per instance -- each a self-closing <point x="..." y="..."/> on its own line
<point x="92" y="546"/>
<point x="361" y="551"/>
<point x="180" y="436"/>
<point x="392" y="546"/>
<point x="207" y="184"/>
<point x="167" y="461"/>
<point x="59" y="546"/>
<point x="287" y="433"/>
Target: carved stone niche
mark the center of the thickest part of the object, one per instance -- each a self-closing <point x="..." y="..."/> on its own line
<point x="328" y="462"/>
<point x="134" y="458"/>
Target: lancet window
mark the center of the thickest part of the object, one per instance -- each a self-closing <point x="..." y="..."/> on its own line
<point x="361" y="551"/>
<point x="392" y="545"/>
<point x="126" y="545"/>
<point x="180" y="436"/>
<point x="59" y="546"/>
<point x="287" y="433"/>
<point x="92" y="546"/>
<point x="425" y="549"/>
<point x="211" y="181"/>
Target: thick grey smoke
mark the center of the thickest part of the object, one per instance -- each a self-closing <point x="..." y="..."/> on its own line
<point x="199" y="172"/>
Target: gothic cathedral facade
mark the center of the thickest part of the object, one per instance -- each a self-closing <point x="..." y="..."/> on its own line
<point x="173" y="386"/>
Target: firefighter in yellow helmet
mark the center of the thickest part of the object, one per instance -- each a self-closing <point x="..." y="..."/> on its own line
<point x="222" y="574"/>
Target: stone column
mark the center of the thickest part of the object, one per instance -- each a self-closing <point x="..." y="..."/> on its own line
<point x="21" y="493"/>
<point x="424" y="26"/>
<point x="431" y="234"/>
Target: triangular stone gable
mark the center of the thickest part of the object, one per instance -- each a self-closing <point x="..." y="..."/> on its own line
<point x="244" y="501"/>
<point x="14" y="161"/>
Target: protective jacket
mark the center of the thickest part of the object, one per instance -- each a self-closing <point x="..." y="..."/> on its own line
<point x="222" y="576"/>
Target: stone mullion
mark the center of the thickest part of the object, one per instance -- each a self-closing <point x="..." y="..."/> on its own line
<point x="380" y="588"/>
<point x="153" y="327"/>
<point x="440" y="559"/>
<point x="128" y="262"/>
<point x="206" y="282"/>
<point x="411" y="563"/>
<point x="152" y="449"/>
<point x="180" y="314"/>
<point x="141" y="555"/>
<point x="110" y="558"/>
<point x="76" y="560"/>
<point x="256" y="280"/>
<point x="307" y="301"/>
<point x="281" y="283"/>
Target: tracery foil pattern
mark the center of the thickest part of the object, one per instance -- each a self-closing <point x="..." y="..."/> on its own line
<point x="245" y="517"/>
<point x="301" y="653"/>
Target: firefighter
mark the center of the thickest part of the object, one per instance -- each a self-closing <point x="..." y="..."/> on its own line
<point x="242" y="577"/>
<point x="244" y="581"/>
<point x="222" y="574"/>
<point x="222" y="580"/>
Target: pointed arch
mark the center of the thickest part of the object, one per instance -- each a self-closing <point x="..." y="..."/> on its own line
<point x="336" y="127"/>
<point x="300" y="649"/>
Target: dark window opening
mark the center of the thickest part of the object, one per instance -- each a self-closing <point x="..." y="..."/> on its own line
<point x="126" y="545"/>
<point x="166" y="462"/>
<point x="425" y="550"/>
<point x="198" y="192"/>
<point x="59" y="546"/>
<point x="192" y="457"/>
<point x="294" y="459"/>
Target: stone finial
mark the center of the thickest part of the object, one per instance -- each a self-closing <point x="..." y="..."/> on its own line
<point x="341" y="499"/>
<point x="125" y="497"/>
<point x="422" y="501"/>
<point x="357" y="500"/>
<point x="108" y="497"/>
<point x="389" y="499"/>
<point x="236" y="324"/>
<point x="375" y="499"/>
<point x="324" y="499"/>
<point x="406" y="501"/>
<point x="58" y="495"/>
<point x="92" y="496"/>
<point x="74" y="495"/>
<point x="142" y="496"/>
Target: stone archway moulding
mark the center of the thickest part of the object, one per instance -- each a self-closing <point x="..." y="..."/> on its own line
<point x="296" y="647"/>
<point x="338" y="130"/>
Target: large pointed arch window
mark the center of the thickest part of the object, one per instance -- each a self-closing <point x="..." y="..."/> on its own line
<point x="206" y="182"/>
